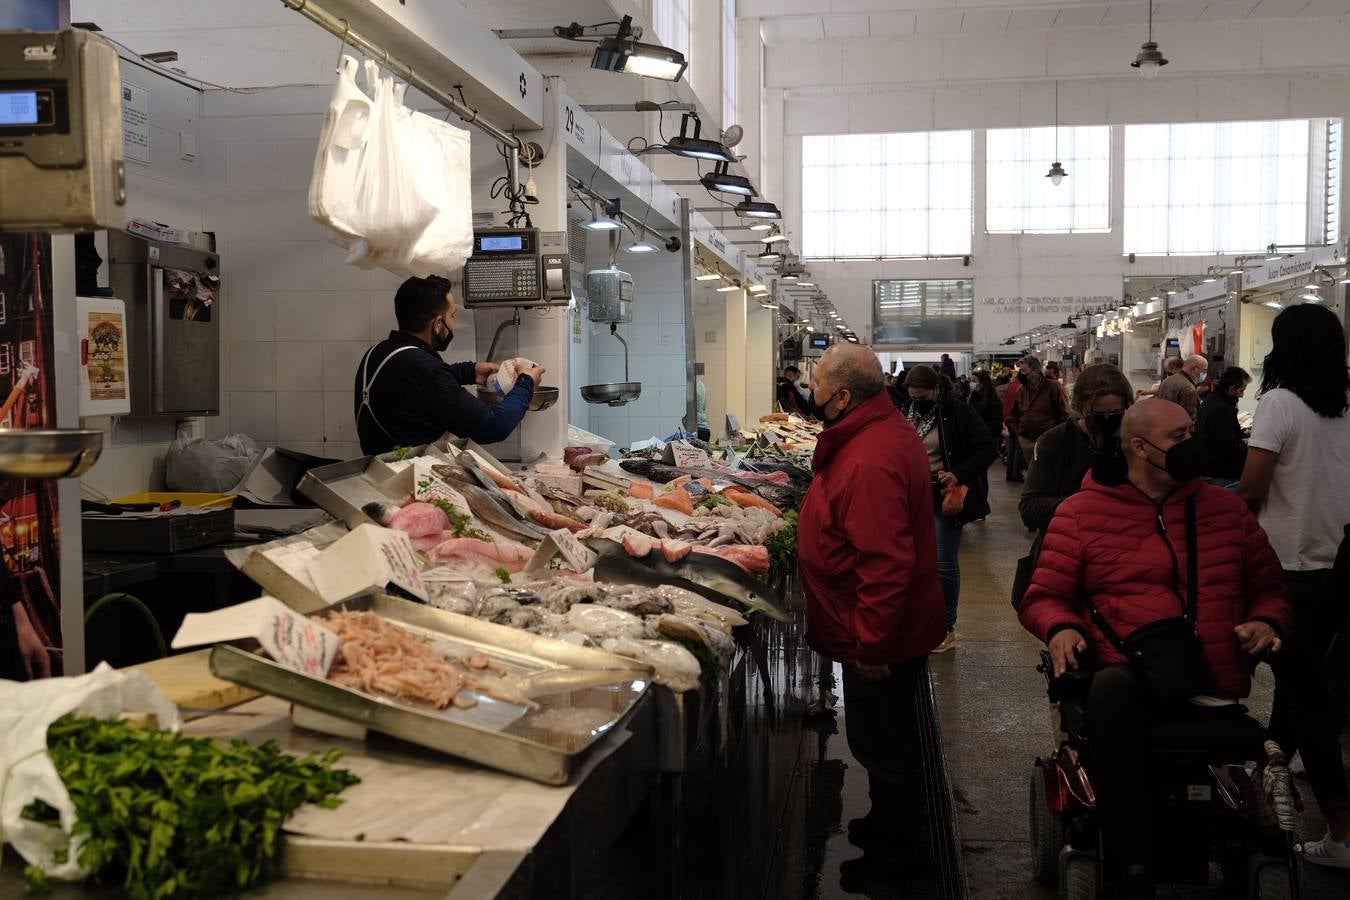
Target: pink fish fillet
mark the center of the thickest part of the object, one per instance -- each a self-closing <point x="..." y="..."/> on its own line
<point x="420" y="520"/>
<point x="753" y="558"/>
<point x="637" y="545"/>
<point x="503" y="554"/>
<point x="431" y="541"/>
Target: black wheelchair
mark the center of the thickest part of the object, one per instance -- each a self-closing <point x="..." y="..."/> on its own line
<point x="1221" y="792"/>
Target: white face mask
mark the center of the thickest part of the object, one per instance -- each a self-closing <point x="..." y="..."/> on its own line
<point x="1200" y="379"/>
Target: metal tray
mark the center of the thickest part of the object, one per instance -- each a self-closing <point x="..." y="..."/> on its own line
<point x="341" y="489"/>
<point x="533" y="743"/>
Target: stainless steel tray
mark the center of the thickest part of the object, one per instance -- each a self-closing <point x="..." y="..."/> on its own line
<point x="544" y="744"/>
<point x="341" y="489"/>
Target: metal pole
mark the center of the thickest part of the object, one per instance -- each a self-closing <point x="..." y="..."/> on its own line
<point x="342" y="29"/>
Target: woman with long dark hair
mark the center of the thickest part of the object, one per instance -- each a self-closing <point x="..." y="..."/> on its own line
<point x="1297" y="479"/>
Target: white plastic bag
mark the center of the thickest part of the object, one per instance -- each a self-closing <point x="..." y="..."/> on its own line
<point x="391" y="212"/>
<point x="332" y="189"/>
<point x="27" y="709"/>
<point x="441" y="151"/>
<point x="213" y="467"/>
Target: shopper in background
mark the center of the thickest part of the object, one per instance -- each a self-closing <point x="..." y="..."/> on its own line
<point x="1041" y="404"/>
<point x="1218" y="428"/>
<point x="22" y="655"/>
<point x="1296" y="479"/>
<point x="1181" y="387"/>
<point x="701" y="411"/>
<point x="947" y="367"/>
<point x="1088" y="441"/>
<point x="960" y="451"/>
<point x="791" y="399"/>
<point x="407" y="395"/>
<point x="1171" y="366"/>
<point x="1052" y="371"/>
<point x="1124" y="550"/>
<point x="988" y="406"/>
<point x="868" y="557"/>
<point x="1013" y="456"/>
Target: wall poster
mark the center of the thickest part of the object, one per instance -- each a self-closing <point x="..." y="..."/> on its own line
<point x="104" y="385"/>
<point x="30" y="528"/>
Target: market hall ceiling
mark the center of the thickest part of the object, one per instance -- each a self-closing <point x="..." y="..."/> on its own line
<point x="798" y="21"/>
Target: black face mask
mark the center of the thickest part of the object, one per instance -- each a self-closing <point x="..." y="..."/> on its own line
<point x="818" y="409"/>
<point x="440" y="344"/>
<point x="1184" y="461"/>
<point x="1023" y="378"/>
<point x="922" y="405"/>
<point x="1103" y="429"/>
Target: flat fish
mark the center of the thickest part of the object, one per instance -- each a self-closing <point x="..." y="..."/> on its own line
<point x="487" y="509"/>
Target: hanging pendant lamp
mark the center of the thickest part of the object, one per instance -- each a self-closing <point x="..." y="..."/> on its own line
<point x="1057" y="172"/>
<point x="1150" y="59"/>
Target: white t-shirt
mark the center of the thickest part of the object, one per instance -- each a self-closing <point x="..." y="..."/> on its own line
<point x="1309" y="503"/>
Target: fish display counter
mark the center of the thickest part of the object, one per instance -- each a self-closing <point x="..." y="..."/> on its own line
<point x="516" y="662"/>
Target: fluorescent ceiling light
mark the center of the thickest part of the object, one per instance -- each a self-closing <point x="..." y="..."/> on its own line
<point x="621" y="53"/>
<point x="790" y="277"/>
<point x="757" y="209"/>
<point x="696" y="147"/>
<point x="769" y="256"/>
<point x="727" y="288"/>
<point x="758" y="288"/>
<point x="761" y="226"/>
<point x="641" y="247"/>
<point x="711" y="276"/>
<point x="806" y="284"/>
<point x="1273" y="304"/>
<point x="773" y="238"/>
<point x="725" y="182"/>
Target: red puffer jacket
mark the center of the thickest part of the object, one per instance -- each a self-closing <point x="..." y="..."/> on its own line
<point x="1105" y="542"/>
<point x="867" y="543"/>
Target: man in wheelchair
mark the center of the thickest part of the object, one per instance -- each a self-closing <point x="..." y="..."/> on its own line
<point x="1158" y="592"/>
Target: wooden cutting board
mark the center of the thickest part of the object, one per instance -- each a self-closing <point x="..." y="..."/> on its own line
<point x="188" y="682"/>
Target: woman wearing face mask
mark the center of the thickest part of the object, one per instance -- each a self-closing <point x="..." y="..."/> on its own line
<point x="1295" y="479"/>
<point x="960" y="451"/>
<point x="406" y="395"/>
<point x="1067" y="452"/>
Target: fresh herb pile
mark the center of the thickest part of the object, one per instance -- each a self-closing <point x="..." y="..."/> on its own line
<point x="165" y="815"/>
<point x="459" y="523"/>
<point x="782" y="546"/>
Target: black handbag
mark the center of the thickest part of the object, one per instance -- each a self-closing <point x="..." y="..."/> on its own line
<point x="1167" y="654"/>
<point x="1026" y="567"/>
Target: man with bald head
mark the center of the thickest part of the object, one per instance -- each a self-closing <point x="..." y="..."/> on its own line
<point x="1119" y="558"/>
<point x="1182" y="388"/>
<point x="868" y="554"/>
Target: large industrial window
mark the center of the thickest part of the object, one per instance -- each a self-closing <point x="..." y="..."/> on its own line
<point x="876" y="196"/>
<point x="670" y="21"/>
<point x="1228" y="187"/>
<point x="728" y="63"/>
<point x="1019" y="196"/>
<point x="927" y="311"/>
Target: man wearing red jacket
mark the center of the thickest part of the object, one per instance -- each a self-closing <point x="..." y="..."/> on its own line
<point x="1017" y="464"/>
<point x="868" y="555"/>
<point x="1123" y="548"/>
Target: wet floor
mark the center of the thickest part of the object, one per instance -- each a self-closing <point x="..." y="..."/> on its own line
<point x="995" y="720"/>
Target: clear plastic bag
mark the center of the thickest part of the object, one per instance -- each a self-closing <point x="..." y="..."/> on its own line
<point x="213" y="467"/>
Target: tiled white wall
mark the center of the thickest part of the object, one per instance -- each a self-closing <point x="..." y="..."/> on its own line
<point x="297" y="318"/>
<point x="656" y="349"/>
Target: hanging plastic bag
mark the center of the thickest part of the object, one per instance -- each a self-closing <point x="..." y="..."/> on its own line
<point x="442" y="154"/>
<point x="27" y="709"/>
<point x="332" y="188"/>
<point x="392" y="211"/>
